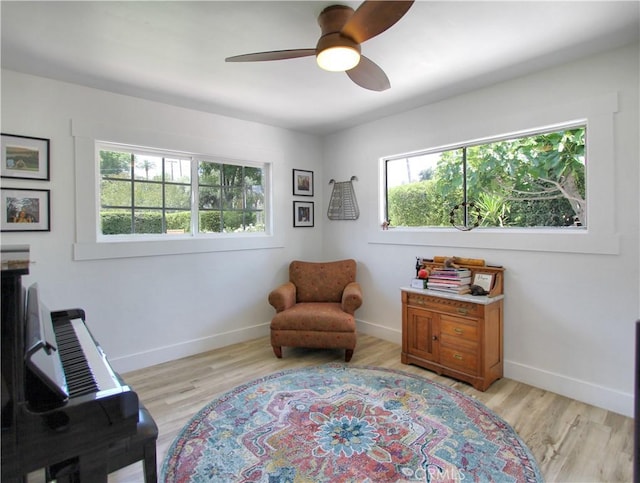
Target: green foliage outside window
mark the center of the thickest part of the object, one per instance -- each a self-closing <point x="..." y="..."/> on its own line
<point x="151" y="194"/>
<point x="118" y="222"/>
<point x="531" y="181"/>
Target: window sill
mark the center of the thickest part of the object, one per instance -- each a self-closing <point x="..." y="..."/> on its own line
<point x="542" y="240"/>
<point x="181" y="246"/>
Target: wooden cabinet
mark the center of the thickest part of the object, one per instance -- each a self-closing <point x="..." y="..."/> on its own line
<point x="456" y="335"/>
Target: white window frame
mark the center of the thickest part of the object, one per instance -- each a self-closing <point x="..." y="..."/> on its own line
<point x="478" y="142"/>
<point x="90" y="244"/>
<point x="600" y="237"/>
<point x="194" y="161"/>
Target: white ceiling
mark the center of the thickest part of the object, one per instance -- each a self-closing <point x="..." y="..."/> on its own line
<point x="174" y="52"/>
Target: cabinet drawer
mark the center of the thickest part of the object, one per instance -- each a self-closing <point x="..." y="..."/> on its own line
<point x="459" y="329"/>
<point x="463" y="360"/>
<point x="440" y="304"/>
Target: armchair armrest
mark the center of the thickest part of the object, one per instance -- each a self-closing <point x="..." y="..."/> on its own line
<point x="283" y="297"/>
<point x="351" y="297"/>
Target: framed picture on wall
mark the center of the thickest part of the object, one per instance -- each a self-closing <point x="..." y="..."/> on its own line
<point x="302" y="182"/>
<point x="302" y="213"/>
<point x="24" y="210"/>
<point x="24" y="157"/>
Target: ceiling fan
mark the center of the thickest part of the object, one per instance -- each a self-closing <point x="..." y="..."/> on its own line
<point x="338" y="49"/>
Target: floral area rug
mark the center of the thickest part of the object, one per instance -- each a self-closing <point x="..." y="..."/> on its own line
<point x="343" y="423"/>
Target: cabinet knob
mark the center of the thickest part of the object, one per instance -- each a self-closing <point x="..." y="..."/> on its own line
<point x="435" y="337"/>
<point x="458" y="330"/>
<point x="462" y="310"/>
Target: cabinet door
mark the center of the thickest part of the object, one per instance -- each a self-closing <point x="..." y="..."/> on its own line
<point x="422" y="332"/>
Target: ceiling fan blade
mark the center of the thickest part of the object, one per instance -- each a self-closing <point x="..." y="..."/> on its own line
<point x="367" y="74"/>
<point x="272" y="55"/>
<point x="374" y="17"/>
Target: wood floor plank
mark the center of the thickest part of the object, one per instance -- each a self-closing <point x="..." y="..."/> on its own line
<point x="572" y="441"/>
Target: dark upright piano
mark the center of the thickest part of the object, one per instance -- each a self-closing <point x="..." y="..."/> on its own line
<point x="61" y="400"/>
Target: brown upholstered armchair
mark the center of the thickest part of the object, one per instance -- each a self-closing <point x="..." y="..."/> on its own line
<point x="316" y="307"/>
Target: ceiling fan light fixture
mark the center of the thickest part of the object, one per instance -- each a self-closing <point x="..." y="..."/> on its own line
<point x="337" y="53"/>
<point x="338" y="59"/>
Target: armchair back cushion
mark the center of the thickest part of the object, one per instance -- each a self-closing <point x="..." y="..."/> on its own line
<point x="321" y="281"/>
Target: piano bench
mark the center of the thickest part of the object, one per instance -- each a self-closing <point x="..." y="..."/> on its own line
<point x="140" y="446"/>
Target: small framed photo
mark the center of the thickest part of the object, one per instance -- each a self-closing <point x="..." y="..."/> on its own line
<point x="302" y="213"/>
<point x="24" y="210"/>
<point x="302" y="183"/>
<point x="484" y="280"/>
<point x="24" y="157"/>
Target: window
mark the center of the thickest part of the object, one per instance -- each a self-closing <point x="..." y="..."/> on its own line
<point x="526" y="181"/>
<point x="148" y="192"/>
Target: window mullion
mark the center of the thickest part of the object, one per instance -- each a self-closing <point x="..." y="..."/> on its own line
<point x="133" y="193"/>
<point x="243" y="187"/>
<point x="465" y="198"/>
<point x="163" y="228"/>
<point x="195" y="197"/>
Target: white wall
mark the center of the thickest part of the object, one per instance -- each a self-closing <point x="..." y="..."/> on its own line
<point x="570" y="303"/>
<point x="145" y="310"/>
<point x="568" y="315"/>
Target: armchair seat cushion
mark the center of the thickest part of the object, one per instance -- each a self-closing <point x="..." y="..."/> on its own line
<point x="314" y="316"/>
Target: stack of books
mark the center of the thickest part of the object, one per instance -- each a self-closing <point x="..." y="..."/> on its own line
<point x="451" y="280"/>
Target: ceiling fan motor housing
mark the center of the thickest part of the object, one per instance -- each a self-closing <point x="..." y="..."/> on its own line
<point x="333" y="18"/>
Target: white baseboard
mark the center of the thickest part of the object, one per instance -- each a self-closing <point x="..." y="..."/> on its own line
<point x="159" y="355"/>
<point x="597" y="395"/>
<point x="584" y="391"/>
<point x="380" y="331"/>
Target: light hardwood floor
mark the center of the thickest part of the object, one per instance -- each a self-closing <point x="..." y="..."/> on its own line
<point x="571" y="441"/>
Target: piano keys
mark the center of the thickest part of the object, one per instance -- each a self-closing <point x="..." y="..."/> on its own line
<point x="64" y="357"/>
<point x="61" y="398"/>
<point x="79" y="376"/>
<point x="85" y="364"/>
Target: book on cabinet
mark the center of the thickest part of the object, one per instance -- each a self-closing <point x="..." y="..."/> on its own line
<point x="490" y="275"/>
